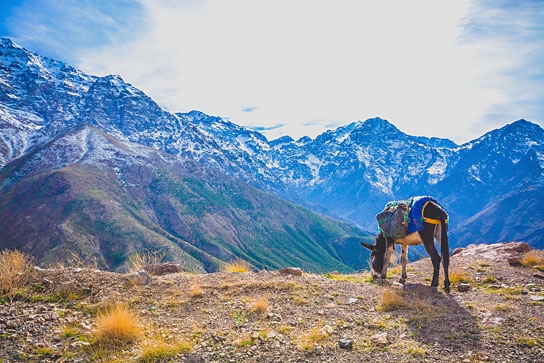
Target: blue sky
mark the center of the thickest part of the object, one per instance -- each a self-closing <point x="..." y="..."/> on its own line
<point x="453" y="69"/>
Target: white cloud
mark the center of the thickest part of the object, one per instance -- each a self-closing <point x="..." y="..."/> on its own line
<point x="448" y="69"/>
<point x="505" y="43"/>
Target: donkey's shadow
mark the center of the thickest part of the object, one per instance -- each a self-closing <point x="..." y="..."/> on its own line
<point x="436" y="318"/>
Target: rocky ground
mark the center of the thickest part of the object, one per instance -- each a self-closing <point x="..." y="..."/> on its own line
<point x="268" y="316"/>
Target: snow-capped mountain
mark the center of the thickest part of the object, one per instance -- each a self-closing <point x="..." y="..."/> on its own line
<point x="351" y="172"/>
<point x="91" y="194"/>
<point x="347" y="173"/>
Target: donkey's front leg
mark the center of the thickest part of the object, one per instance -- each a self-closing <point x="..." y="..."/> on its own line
<point x="404" y="262"/>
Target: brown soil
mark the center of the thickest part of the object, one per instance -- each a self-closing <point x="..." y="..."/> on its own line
<point x="269" y="317"/>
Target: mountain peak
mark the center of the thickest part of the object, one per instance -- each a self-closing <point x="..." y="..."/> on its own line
<point x="523" y="126"/>
<point x="373" y="127"/>
<point x="8" y="43"/>
<point x="377" y="122"/>
<point x="515" y="132"/>
<point x="12" y="50"/>
<point x="378" y="125"/>
<point x="520" y="126"/>
<point x="286" y="139"/>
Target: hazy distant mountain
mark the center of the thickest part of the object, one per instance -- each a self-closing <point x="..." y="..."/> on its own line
<point x="492" y="186"/>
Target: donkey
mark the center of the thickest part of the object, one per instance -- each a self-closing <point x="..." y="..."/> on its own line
<point x="431" y="224"/>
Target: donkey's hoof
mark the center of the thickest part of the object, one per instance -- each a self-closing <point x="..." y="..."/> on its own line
<point x="402" y="280"/>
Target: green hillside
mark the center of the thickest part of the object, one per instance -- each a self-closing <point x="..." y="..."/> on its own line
<point x="108" y="201"/>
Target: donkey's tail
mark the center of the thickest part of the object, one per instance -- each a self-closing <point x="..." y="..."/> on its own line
<point x="445" y="249"/>
<point x="444" y="244"/>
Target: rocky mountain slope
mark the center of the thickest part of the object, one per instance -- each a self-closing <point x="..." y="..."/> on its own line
<point x="268" y="316"/>
<point x="492" y="186"/>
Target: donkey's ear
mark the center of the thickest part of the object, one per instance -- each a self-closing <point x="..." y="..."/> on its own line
<point x="368" y="245"/>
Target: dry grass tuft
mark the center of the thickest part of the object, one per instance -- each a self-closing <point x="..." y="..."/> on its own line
<point x="394" y="270"/>
<point x="309" y="339"/>
<point x="15" y="271"/>
<point x="240" y="266"/>
<point x="529" y="341"/>
<point x="260" y="305"/>
<point x="139" y="260"/>
<point x="367" y="277"/>
<point x="76" y="260"/>
<point x="286" y="329"/>
<point x="359" y="278"/>
<point x="413" y="348"/>
<point x="459" y="276"/>
<point x="392" y="299"/>
<point x="196" y="291"/>
<point x="504" y="307"/>
<point x="160" y="350"/>
<point x="534" y="259"/>
<point x="117" y="325"/>
<point x="419" y="298"/>
<point x="244" y="340"/>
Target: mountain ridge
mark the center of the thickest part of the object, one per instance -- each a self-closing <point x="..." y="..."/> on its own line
<point x="109" y="199"/>
<point x="348" y="173"/>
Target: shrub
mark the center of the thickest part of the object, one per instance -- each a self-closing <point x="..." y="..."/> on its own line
<point x="15" y="271"/>
<point x="117" y="325"/>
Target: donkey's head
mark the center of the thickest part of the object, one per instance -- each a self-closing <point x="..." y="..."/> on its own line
<point x="380" y="255"/>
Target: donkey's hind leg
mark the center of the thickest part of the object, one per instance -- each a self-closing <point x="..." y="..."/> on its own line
<point x="441" y="235"/>
<point x="427" y="235"/>
<point x="404" y="262"/>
